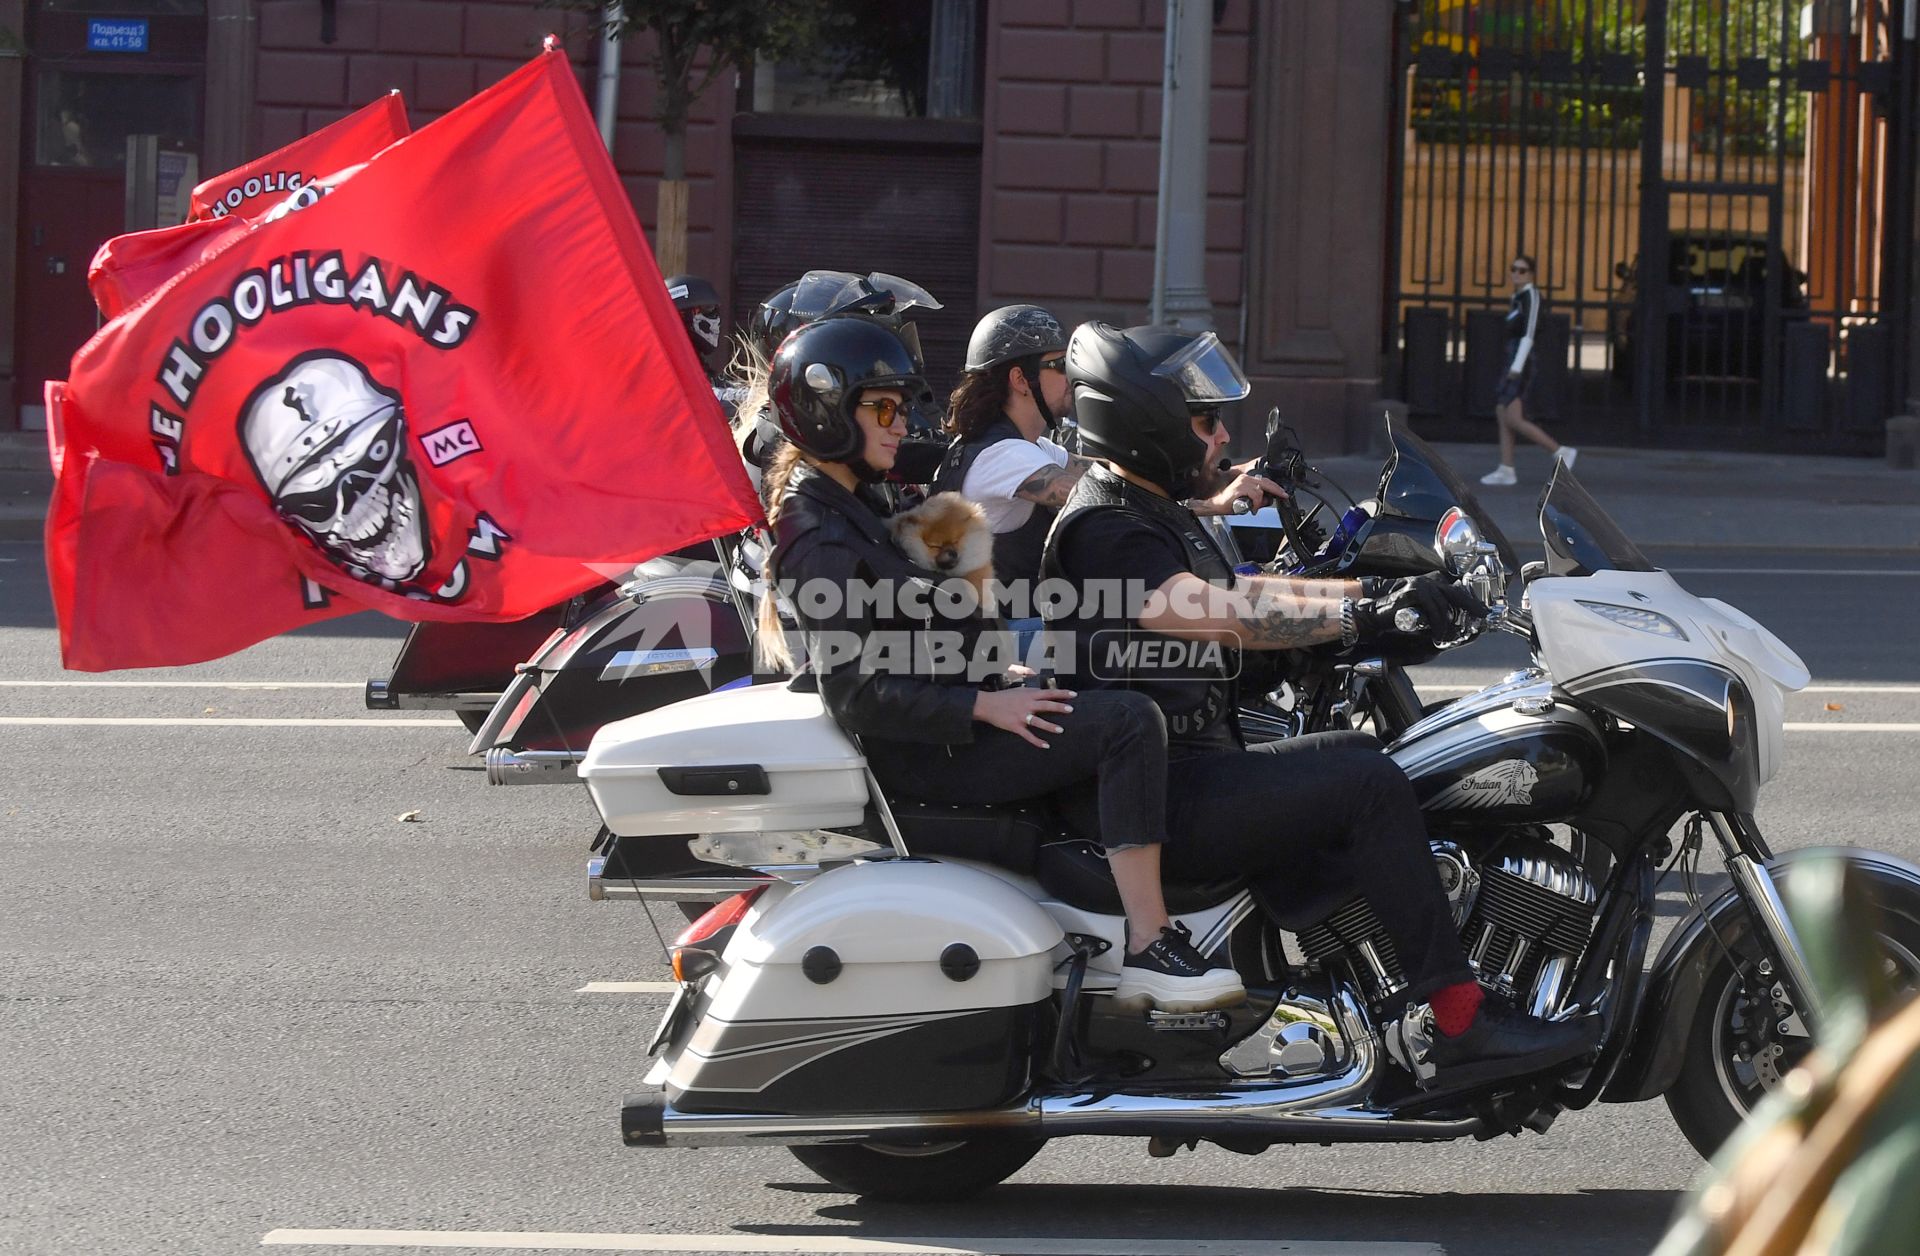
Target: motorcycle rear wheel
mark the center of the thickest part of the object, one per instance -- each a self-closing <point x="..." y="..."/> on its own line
<point x="931" y="1174"/>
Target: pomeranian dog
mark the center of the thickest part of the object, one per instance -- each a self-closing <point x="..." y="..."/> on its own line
<point x="948" y="534"/>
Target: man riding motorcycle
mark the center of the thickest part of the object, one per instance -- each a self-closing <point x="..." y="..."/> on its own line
<point x="1308" y="820"/>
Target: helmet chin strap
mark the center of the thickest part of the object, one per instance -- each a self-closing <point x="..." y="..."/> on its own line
<point x="1030" y="368"/>
<point x="865" y="471"/>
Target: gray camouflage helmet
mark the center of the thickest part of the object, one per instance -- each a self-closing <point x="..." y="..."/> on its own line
<point x="1011" y="333"/>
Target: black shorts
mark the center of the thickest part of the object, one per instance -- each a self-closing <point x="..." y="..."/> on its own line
<point x="1514" y="387"/>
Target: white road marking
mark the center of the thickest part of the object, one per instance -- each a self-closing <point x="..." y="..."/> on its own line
<point x="1840" y="727"/>
<point x="1793" y="571"/>
<point x="577" y="1241"/>
<point x="182" y="684"/>
<point x="629" y="987"/>
<point x="214" y="722"/>
<point x="1810" y="689"/>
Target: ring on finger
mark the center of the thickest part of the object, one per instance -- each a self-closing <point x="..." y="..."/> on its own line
<point x="1029" y="719"/>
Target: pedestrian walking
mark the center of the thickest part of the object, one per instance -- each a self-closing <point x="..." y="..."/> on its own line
<point x="1509" y="403"/>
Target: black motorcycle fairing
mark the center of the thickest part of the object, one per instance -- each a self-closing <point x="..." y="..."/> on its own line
<point x="1416" y="490"/>
<point x="1677" y="981"/>
<point x="1700" y="709"/>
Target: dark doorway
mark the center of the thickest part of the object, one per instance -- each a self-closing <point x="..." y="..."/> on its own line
<point x="84" y="97"/>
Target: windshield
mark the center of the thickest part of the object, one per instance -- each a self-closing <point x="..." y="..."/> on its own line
<point x="1580" y="538"/>
<point x="1417" y="485"/>
<point x="822" y="293"/>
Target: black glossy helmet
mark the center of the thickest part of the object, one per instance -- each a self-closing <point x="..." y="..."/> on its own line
<point x="1135" y="393"/>
<point x="773" y="321"/>
<point x="1012" y="333"/>
<point x="818" y="374"/>
<point x="699" y="307"/>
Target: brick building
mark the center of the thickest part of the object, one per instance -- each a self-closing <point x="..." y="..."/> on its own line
<point x="1038" y="184"/>
<point x="1371" y="167"/>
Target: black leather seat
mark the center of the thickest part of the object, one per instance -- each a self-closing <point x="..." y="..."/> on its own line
<point x="1031" y="839"/>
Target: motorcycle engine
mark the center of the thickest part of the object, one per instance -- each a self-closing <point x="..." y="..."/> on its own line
<point x="1524" y="912"/>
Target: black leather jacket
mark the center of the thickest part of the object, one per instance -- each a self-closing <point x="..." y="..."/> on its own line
<point x="829" y="534"/>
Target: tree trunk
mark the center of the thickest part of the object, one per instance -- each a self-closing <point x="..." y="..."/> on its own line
<point x="670" y="237"/>
<point x="670" y="233"/>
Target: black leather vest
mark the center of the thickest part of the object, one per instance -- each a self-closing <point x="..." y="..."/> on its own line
<point x="1016" y="554"/>
<point x="1191" y="682"/>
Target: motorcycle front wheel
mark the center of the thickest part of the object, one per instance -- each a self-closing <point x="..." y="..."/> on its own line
<point x="928" y="1174"/>
<point x="1746" y="1037"/>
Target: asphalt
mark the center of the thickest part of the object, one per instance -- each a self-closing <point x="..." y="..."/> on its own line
<point x="240" y="993"/>
<point x="1672" y="498"/>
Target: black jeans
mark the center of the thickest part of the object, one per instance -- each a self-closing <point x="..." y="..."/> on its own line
<point x="1114" y="746"/>
<point x="1310" y="821"/>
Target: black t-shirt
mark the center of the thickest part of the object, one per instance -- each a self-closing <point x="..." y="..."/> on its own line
<point x="1115" y="545"/>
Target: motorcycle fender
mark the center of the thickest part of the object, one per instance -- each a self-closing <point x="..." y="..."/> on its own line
<point x="1678" y="980"/>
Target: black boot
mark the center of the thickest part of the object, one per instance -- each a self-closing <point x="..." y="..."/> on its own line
<point x="1504" y="1042"/>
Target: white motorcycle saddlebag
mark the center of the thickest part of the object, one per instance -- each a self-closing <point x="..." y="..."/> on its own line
<point x="762" y="758"/>
<point x="899" y="985"/>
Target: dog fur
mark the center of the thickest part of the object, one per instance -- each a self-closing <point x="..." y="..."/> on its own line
<point x="948" y="534"/>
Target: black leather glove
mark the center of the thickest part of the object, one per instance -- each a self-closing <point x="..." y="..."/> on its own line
<point x="1440" y="600"/>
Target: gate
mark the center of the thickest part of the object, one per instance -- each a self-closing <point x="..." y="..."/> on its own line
<point x="1717" y="193"/>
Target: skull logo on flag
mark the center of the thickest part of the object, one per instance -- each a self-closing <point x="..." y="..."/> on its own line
<point x="330" y="447"/>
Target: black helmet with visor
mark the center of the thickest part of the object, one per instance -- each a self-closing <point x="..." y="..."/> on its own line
<point x="1135" y="393"/>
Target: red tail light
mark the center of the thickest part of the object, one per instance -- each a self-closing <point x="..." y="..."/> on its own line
<point x="696" y="952"/>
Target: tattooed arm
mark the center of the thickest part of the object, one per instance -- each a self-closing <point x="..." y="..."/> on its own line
<point x="1272" y="613"/>
<point x="1050" y="485"/>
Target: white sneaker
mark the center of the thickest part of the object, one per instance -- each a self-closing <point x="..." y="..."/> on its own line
<point x="1171" y="976"/>
<point x="1499" y="476"/>
<point x="1566" y="454"/>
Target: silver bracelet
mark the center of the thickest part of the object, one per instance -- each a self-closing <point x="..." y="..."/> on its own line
<point x="1349" y="625"/>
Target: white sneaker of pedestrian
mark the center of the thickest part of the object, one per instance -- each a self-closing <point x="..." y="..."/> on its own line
<point x="1500" y="475"/>
<point x="1566" y="454"/>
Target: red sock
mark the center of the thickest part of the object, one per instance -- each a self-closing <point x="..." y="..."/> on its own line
<point x="1455" y="1007"/>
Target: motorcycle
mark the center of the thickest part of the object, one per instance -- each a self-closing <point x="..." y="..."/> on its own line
<point x="915" y="998"/>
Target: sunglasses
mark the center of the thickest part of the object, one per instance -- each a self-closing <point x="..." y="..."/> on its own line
<point x="1053" y="364"/>
<point x="1210" y="417"/>
<point x="1518" y="270"/>
<point x="885" y="410"/>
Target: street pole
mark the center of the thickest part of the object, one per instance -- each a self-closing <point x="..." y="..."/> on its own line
<point x="1180" y="221"/>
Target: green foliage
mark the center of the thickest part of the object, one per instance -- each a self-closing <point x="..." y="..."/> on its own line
<point x="1583" y="112"/>
<point x="733" y="33"/>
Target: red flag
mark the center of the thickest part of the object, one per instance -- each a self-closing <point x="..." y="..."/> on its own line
<point x="128" y="267"/>
<point x="439" y="392"/>
<point x="258" y="186"/>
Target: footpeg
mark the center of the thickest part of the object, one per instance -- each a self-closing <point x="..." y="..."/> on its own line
<point x="1186" y="1022"/>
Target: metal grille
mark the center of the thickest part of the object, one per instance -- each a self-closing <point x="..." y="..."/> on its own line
<point x="860" y="204"/>
<point x="1717" y="193"/>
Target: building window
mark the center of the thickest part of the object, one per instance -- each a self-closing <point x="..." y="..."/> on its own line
<point x="85" y="118"/>
<point x="881" y="58"/>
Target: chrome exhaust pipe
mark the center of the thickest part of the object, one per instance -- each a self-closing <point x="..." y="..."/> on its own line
<point x="1309" y="1109"/>
<point x="533" y="767"/>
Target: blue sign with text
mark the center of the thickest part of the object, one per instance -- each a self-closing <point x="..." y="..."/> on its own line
<point x="116" y="34"/>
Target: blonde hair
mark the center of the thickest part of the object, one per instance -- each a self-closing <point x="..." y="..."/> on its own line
<point x="748" y="371"/>
<point x="770" y="636"/>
